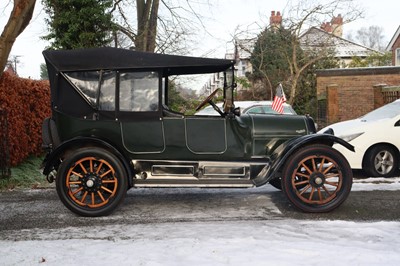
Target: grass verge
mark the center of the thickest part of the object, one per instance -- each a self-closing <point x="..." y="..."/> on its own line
<point x="25" y="175"/>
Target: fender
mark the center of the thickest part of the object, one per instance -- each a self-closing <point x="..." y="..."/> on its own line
<point x="286" y="149"/>
<point x="53" y="158"/>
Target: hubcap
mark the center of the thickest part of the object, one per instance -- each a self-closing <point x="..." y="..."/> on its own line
<point x="317" y="179"/>
<point x="384" y="162"/>
<point x="91" y="182"/>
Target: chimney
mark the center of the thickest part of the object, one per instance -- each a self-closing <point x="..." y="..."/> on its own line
<point x="335" y="26"/>
<point x="275" y="21"/>
<point x="326" y="26"/>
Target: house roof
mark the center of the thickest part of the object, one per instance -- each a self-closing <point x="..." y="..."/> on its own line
<point x="317" y="38"/>
<point x="393" y="40"/>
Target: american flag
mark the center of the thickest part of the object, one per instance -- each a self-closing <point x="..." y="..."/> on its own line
<point x="279" y="99"/>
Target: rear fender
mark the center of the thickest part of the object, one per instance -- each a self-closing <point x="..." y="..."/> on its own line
<point x="52" y="159"/>
<point x="286" y="149"/>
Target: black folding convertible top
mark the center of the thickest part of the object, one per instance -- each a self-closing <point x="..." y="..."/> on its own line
<point x="118" y="59"/>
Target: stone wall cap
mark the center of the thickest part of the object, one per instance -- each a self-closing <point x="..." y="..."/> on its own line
<point x="358" y="71"/>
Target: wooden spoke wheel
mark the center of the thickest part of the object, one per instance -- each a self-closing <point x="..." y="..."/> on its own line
<point x="317" y="179"/>
<point x="91" y="182"/>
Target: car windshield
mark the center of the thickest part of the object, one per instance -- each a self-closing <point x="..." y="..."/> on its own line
<point x="387" y="111"/>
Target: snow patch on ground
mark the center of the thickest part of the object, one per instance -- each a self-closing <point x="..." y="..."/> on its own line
<point x="285" y="242"/>
<point x="376" y="183"/>
<point x="271" y="242"/>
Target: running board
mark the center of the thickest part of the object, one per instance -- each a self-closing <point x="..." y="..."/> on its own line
<point x="153" y="173"/>
<point x="194" y="183"/>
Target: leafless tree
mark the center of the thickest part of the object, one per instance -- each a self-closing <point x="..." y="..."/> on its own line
<point x="307" y="14"/>
<point x="158" y="25"/>
<point x="18" y="20"/>
<point x="371" y="37"/>
<point x="298" y="18"/>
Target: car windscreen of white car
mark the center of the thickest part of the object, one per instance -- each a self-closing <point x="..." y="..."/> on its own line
<point x="388" y="111"/>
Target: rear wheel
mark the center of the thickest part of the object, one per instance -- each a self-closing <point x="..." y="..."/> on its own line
<point x="381" y="160"/>
<point x="317" y="179"/>
<point x="91" y="182"/>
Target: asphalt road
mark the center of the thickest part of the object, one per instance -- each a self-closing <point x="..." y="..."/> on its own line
<point x="41" y="208"/>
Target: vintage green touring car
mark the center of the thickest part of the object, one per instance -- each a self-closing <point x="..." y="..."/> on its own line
<point x="111" y="130"/>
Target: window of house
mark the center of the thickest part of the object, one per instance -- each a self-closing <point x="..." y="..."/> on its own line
<point x="397" y="63"/>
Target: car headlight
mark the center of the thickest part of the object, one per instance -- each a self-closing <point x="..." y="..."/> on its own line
<point x="350" y="137"/>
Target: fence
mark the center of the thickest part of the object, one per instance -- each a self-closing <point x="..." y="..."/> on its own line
<point x="390" y="94"/>
<point x="4" y="146"/>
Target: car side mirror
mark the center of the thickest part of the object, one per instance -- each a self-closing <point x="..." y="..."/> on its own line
<point x="236" y="111"/>
<point x="397" y="124"/>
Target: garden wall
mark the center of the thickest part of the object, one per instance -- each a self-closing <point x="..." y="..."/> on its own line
<point x="345" y="94"/>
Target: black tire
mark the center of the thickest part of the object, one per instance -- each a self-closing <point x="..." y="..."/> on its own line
<point x="381" y="160"/>
<point x="317" y="179"/>
<point x="91" y="182"/>
<point x="276" y="183"/>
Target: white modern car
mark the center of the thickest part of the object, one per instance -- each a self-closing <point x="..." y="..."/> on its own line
<point x="249" y="107"/>
<point x="376" y="138"/>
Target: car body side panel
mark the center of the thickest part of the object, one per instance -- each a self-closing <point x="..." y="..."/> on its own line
<point x="190" y="138"/>
<point x="142" y="137"/>
<point x="270" y="131"/>
<point x="205" y="135"/>
<point x="384" y="132"/>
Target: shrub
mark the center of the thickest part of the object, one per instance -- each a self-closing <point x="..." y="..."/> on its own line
<point x="27" y="103"/>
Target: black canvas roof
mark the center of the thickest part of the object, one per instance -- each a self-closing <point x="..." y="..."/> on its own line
<point x="116" y="58"/>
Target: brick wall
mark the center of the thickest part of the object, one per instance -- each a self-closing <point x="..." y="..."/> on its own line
<point x="351" y="93"/>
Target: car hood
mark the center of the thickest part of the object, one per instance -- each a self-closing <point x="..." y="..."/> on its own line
<point x="352" y="126"/>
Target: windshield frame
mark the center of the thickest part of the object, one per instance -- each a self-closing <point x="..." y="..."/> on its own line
<point x="229" y="87"/>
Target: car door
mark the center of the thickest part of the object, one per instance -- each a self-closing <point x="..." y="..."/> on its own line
<point x="142" y="129"/>
<point x="206" y="135"/>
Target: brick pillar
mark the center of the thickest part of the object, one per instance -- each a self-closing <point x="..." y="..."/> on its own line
<point x="378" y="95"/>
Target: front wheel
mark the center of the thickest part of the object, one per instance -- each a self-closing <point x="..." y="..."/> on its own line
<point x="91" y="182"/>
<point x="317" y="179"/>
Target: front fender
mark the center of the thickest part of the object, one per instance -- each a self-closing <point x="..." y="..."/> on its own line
<point x="286" y="149"/>
<point x="53" y="158"/>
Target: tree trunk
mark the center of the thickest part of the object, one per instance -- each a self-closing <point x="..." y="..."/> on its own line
<point x="17" y="22"/>
<point x="152" y="29"/>
<point x="147" y="15"/>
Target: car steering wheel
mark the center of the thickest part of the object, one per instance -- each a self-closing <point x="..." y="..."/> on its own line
<point x="207" y="100"/>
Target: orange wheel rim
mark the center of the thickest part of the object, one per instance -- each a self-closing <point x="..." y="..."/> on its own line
<point x="317" y="180"/>
<point x="91" y="182"/>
